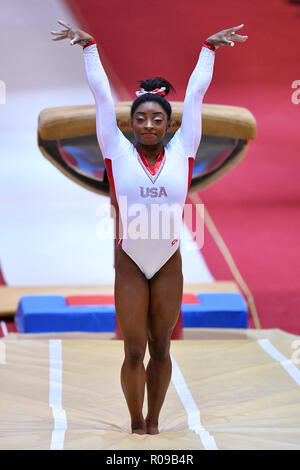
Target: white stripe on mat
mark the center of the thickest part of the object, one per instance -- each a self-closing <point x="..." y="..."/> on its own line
<point x="191" y="408"/>
<point x="4" y="328"/>
<point x="55" y="395"/>
<point x="286" y="363"/>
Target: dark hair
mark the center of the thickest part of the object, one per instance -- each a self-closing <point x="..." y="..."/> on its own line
<point x="150" y="85"/>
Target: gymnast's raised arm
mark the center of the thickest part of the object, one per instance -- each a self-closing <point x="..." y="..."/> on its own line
<point x="189" y="134"/>
<point x="108" y="134"/>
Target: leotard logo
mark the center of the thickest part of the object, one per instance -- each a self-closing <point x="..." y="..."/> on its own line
<point x="153" y="192"/>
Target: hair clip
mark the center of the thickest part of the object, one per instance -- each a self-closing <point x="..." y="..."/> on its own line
<point x="158" y="91"/>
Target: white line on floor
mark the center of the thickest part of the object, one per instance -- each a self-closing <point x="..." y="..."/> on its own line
<point x="191" y="408"/>
<point x="286" y="363"/>
<point x="4" y="328"/>
<point x="55" y="395"/>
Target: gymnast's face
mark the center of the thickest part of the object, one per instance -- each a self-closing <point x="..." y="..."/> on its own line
<point x="150" y="123"/>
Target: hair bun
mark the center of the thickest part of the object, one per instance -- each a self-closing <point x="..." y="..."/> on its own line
<point x="156" y="82"/>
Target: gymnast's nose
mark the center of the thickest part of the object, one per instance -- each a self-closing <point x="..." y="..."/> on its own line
<point x="148" y="123"/>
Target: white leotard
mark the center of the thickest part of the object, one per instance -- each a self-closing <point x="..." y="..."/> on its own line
<point x="139" y="193"/>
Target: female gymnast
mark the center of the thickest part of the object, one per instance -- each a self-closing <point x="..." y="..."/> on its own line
<point x="148" y="270"/>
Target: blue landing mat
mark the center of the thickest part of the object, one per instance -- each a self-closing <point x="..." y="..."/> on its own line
<point x="45" y="314"/>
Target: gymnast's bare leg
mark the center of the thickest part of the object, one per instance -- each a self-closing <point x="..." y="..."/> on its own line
<point x="166" y="289"/>
<point x="146" y="311"/>
<point x="132" y="305"/>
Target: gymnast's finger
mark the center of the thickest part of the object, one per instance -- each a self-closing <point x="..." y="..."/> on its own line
<point x="58" y="38"/>
<point x="239" y="38"/>
<point x="235" y="28"/>
<point x="64" y="24"/>
<point x="58" y="33"/>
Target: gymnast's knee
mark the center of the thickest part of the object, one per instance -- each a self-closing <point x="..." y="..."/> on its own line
<point x="159" y="349"/>
<point x="134" y="353"/>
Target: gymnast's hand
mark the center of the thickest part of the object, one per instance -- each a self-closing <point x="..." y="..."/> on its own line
<point x="77" y="36"/>
<point x="226" y="37"/>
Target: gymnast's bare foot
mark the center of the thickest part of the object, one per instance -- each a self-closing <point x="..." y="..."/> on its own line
<point x="139" y="431"/>
<point x="139" y="428"/>
<point x="152" y="428"/>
